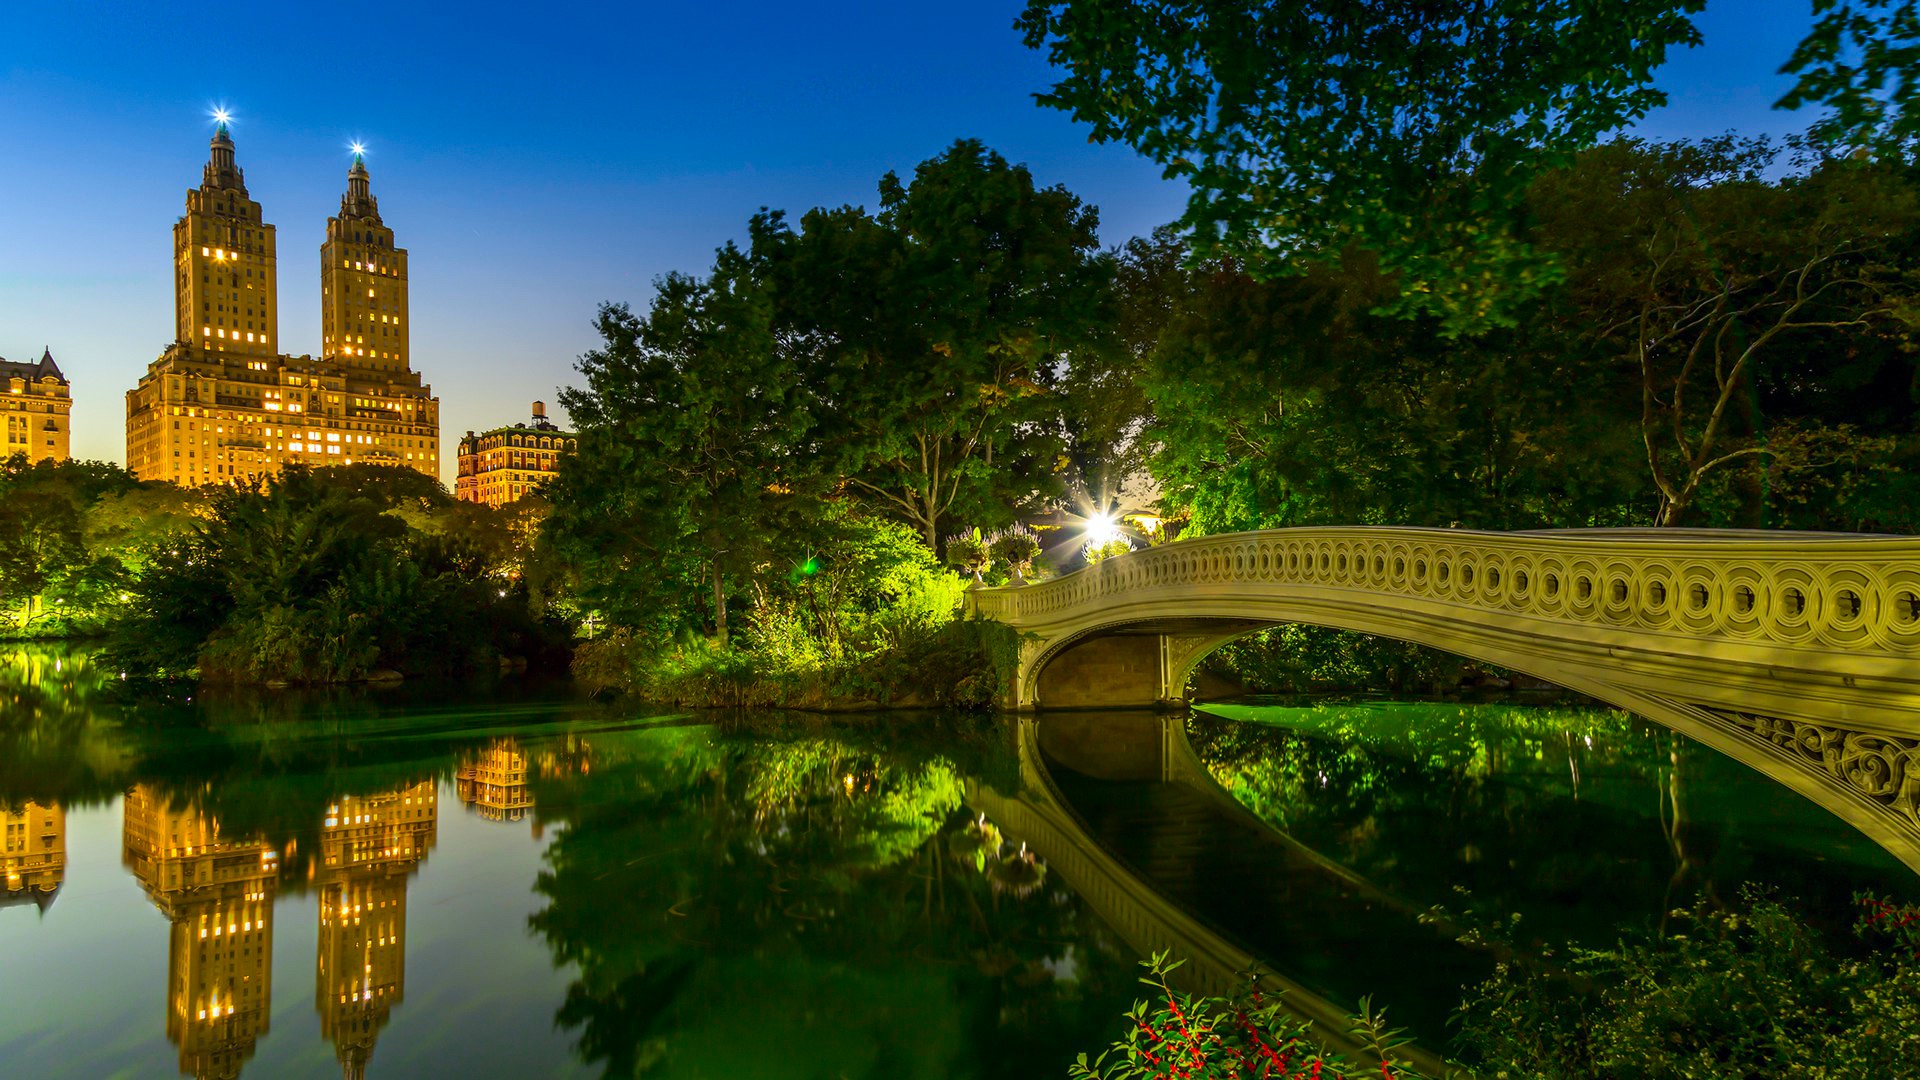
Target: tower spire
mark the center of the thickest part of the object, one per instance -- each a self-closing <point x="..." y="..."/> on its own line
<point x="221" y="172"/>
<point x="359" y="200"/>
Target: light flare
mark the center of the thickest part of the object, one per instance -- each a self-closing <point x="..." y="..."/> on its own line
<point x="1102" y="529"/>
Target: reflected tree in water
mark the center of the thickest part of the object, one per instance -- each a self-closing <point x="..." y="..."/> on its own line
<point x="1571" y="817"/>
<point x="740" y="901"/>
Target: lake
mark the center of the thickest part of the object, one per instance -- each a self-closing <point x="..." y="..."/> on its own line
<point x="503" y="879"/>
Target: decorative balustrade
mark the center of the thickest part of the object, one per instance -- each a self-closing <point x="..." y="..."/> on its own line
<point x="1796" y="653"/>
<point x="1832" y="590"/>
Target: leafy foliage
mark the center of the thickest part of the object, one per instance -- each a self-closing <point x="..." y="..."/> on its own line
<point x="931" y="333"/>
<point x="316" y="576"/>
<point x="72" y="534"/>
<point x="1713" y="285"/>
<point x="1862" y="60"/>
<point x="1753" y="991"/>
<point x="1729" y="347"/>
<point x="691" y="429"/>
<point x="1409" y="130"/>
<point x="1250" y="1035"/>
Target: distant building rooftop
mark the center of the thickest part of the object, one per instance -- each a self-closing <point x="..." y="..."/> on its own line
<point x="34" y="372"/>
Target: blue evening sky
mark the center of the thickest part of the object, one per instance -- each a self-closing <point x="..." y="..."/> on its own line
<point x="537" y="159"/>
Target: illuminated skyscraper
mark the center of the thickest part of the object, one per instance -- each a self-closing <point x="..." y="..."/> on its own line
<point x="217" y="894"/>
<point x="363" y="284"/>
<point x="369" y="846"/>
<point x="222" y="403"/>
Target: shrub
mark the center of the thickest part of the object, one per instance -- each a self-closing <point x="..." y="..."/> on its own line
<point x="1249" y="1035"/>
<point x="1755" y="991"/>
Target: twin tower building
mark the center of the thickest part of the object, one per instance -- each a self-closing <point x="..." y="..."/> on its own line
<point x="223" y="403"/>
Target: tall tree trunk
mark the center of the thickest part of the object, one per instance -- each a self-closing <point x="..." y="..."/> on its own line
<point x="719" y="604"/>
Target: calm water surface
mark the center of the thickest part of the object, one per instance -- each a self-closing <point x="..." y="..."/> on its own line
<point x="505" y="881"/>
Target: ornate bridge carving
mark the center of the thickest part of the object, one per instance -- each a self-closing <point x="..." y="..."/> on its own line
<point x="1796" y="653"/>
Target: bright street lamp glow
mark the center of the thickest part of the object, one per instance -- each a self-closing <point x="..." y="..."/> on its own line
<point x="1102" y="530"/>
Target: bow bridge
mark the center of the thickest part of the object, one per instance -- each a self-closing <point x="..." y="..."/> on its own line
<point x="1796" y="653"/>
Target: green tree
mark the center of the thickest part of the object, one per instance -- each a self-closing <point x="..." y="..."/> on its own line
<point x="1309" y="126"/>
<point x="316" y="575"/>
<point x="40" y="549"/>
<point x="1290" y="401"/>
<point x="691" y="439"/>
<point x="132" y="524"/>
<point x="931" y="333"/>
<point x="1862" y="59"/>
<point x="74" y="532"/>
<point x="1701" y="276"/>
<point x="1102" y="406"/>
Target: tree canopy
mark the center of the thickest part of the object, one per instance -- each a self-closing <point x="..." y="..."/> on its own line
<point x="932" y="332"/>
<point x="1309" y="126"/>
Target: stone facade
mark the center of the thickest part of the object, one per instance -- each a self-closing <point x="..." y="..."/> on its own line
<point x="223" y="404"/>
<point x="499" y="466"/>
<point x="38" y="401"/>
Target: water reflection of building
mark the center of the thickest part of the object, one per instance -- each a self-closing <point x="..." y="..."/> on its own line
<point x="494" y="782"/>
<point x="217" y="892"/>
<point x="369" y="845"/>
<point x="33" y="853"/>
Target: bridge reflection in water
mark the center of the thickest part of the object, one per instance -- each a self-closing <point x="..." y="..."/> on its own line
<point x="1144" y="912"/>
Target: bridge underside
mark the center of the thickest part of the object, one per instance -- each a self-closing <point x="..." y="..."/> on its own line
<point x="1143" y="664"/>
<point x="1850" y="742"/>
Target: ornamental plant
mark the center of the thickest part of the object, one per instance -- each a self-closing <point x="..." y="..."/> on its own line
<point x="968" y="554"/>
<point x="1017" y="549"/>
<point x="1180" y="1036"/>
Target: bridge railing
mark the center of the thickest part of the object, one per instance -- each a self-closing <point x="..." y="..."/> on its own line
<point x="1800" y="589"/>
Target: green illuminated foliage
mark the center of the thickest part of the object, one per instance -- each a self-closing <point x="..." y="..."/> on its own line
<point x="930" y="333"/>
<point x="318" y="576"/>
<point x="692" y="428"/>
<point x="72" y="533"/>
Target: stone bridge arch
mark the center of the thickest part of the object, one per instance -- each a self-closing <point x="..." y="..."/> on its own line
<point x="1798" y="654"/>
